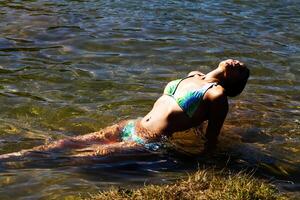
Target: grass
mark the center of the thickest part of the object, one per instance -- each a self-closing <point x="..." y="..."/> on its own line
<point x="203" y="184"/>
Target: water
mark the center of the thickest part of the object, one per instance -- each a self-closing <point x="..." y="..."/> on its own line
<point x="70" y="67"/>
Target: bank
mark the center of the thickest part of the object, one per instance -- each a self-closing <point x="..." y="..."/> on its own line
<point x="204" y="184"/>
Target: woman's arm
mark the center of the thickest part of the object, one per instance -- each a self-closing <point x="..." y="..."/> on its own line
<point x="217" y="114"/>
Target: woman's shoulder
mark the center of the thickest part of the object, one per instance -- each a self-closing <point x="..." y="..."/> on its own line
<point x="192" y="73"/>
<point x="216" y="94"/>
<point x="217" y="100"/>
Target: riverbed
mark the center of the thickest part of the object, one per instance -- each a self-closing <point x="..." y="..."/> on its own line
<point x="70" y="67"/>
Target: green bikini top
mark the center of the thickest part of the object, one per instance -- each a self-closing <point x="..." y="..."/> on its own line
<point x="190" y="100"/>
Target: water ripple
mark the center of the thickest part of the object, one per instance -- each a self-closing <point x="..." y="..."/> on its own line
<point x="72" y="67"/>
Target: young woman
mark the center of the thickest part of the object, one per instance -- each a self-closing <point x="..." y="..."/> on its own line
<point x="185" y="103"/>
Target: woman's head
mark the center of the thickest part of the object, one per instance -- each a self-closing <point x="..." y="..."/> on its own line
<point x="235" y="76"/>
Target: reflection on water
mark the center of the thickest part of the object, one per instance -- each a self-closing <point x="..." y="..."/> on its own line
<point x="73" y="67"/>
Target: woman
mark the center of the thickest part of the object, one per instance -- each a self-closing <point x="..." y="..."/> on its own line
<point x="185" y="103"/>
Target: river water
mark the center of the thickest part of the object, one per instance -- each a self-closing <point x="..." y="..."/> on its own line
<point x="70" y="67"/>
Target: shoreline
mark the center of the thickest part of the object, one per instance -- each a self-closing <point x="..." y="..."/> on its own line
<point x="203" y="184"/>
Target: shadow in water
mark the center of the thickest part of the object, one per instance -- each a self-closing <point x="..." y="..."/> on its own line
<point x="137" y="166"/>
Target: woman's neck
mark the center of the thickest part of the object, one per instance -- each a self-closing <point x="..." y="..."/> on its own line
<point x="216" y="75"/>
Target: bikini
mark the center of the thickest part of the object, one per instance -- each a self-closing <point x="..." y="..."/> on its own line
<point x="128" y="134"/>
<point x="189" y="103"/>
<point x="190" y="100"/>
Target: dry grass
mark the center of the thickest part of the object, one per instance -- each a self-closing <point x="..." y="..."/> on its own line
<point x="201" y="185"/>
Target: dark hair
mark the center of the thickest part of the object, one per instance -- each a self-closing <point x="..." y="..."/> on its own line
<point x="234" y="88"/>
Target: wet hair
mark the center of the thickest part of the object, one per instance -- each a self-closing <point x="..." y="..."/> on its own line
<point x="234" y="88"/>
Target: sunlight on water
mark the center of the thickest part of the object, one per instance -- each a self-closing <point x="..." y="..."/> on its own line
<point x="72" y="67"/>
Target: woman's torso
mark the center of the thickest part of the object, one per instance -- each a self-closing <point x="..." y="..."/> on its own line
<point x="168" y="115"/>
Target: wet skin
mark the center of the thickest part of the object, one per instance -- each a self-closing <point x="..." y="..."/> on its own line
<point x="165" y="118"/>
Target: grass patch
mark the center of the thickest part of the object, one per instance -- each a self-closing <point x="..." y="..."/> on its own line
<point x="201" y="185"/>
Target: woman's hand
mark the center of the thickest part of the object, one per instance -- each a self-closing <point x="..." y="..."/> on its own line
<point x="230" y="62"/>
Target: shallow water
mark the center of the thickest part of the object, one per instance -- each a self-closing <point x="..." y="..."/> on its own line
<point x="70" y="67"/>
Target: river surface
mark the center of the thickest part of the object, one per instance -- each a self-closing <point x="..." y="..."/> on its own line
<point x="70" y="67"/>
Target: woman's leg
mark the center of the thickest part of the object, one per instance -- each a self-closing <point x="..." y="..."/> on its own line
<point x="90" y="154"/>
<point x="103" y="150"/>
<point x="105" y="136"/>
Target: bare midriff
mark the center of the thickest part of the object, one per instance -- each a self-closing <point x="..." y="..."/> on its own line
<point x="165" y="118"/>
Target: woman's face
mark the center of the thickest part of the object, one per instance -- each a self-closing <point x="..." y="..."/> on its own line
<point x="233" y="69"/>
